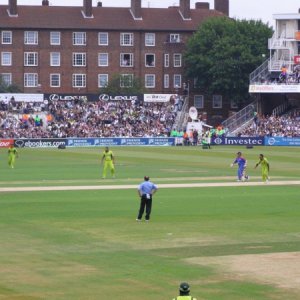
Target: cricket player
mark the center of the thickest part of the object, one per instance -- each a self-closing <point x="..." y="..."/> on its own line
<point x="12" y="155"/>
<point x="242" y="164"/>
<point x="265" y="167"/>
<point x="109" y="160"/>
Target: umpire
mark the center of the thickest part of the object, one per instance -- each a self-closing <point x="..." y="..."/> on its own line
<point x="146" y="190"/>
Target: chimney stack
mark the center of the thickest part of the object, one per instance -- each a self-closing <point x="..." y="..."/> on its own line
<point x="45" y="2"/>
<point x="87" y="8"/>
<point x="202" y="5"/>
<point x="12" y="8"/>
<point x="136" y="9"/>
<point x="222" y="6"/>
<point x="185" y="9"/>
<point x="99" y="4"/>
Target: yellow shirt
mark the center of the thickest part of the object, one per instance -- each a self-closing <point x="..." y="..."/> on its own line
<point x="108" y="156"/>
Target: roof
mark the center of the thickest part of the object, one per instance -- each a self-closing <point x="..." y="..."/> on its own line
<point x="104" y="18"/>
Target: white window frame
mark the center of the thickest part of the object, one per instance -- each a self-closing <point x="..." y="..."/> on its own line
<point x="78" y="77"/>
<point x="217" y="101"/>
<point x="102" y="59"/>
<point x="52" y="80"/>
<point x="31" y="79"/>
<point x="100" y="81"/>
<point x="126" y="39"/>
<point x="177" y="81"/>
<point x="166" y="60"/>
<point x="126" y="63"/>
<point x="150" y="81"/>
<point x="199" y="101"/>
<point x="55" y="59"/>
<point x="177" y="60"/>
<point x="100" y="43"/>
<point x="79" y="59"/>
<point x="31" y="37"/>
<point x="6" y="37"/>
<point x="6" y="58"/>
<point x="79" y="38"/>
<point x="31" y="59"/>
<point x="149" y="39"/>
<point x="6" y="78"/>
<point x="174" y="38"/>
<point x="166" y="81"/>
<point x="55" y="38"/>
<point x="147" y="65"/>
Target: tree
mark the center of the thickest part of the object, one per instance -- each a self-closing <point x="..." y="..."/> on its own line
<point x="222" y="54"/>
<point x="123" y="85"/>
<point x="5" y="88"/>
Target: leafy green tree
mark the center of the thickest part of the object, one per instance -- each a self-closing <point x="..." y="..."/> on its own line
<point x="222" y="54"/>
<point x="4" y="88"/>
<point x="123" y="85"/>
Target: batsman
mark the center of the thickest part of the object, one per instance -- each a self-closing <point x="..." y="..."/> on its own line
<point x="109" y="162"/>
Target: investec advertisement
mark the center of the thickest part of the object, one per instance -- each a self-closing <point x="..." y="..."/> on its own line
<point x="88" y="142"/>
<point x="282" y="141"/>
<point x="39" y="143"/>
<point x="238" y="141"/>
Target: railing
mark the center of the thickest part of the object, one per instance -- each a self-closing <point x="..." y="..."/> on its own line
<point x="181" y="115"/>
<point x="260" y="72"/>
<point x="279" y="110"/>
<point x="240" y="118"/>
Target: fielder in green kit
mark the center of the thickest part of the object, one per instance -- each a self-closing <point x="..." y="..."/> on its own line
<point x="12" y="154"/>
<point x="109" y="161"/>
<point x="265" y="167"/>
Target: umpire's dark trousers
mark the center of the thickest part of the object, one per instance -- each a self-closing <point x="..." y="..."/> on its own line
<point x="146" y="201"/>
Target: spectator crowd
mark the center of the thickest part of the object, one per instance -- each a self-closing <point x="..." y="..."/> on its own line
<point x="91" y="119"/>
<point x="284" y="126"/>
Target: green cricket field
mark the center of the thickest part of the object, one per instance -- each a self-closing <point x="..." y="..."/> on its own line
<point x="66" y="233"/>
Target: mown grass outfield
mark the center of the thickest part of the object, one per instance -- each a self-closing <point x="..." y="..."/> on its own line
<point x="232" y="242"/>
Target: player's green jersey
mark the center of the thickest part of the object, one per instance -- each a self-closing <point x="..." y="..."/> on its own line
<point x="12" y="151"/>
<point x="108" y="156"/>
<point x="264" y="163"/>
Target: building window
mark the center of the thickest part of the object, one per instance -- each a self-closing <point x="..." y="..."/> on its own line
<point x="126" y="60"/>
<point x="233" y="104"/>
<point x="79" y="80"/>
<point x="217" y="101"/>
<point x="166" y="60"/>
<point x="150" y="81"/>
<point x="150" y="60"/>
<point x="30" y="80"/>
<point x="177" y="60"/>
<point x="79" y="38"/>
<point x="55" y="80"/>
<point x="126" y="80"/>
<point x="102" y="59"/>
<point x="126" y="39"/>
<point x="6" y="78"/>
<point x="103" y="38"/>
<point x="55" y="59"/>
<point x="166" y="81"/>
<point x="174" y="38"/>
<point x="54" y="38"/>
<point x="199" y="101"/>
<point x="30" y="59"/>
<point x="79" y="59"/>
<point x="6" y="58"/>
<point x="150" y="39"/>
<point x="177" y="81"/>
<point x="31" y="37"/>
<point x="6" y="37"/>
<point x="102" y="80"/>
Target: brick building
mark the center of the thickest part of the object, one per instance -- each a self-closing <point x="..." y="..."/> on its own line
<point x="76" y="50"/>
